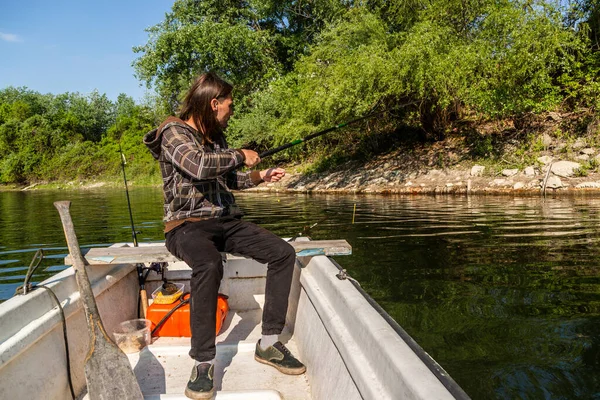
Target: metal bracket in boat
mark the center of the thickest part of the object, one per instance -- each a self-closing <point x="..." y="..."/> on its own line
<point x="343" y="275"/>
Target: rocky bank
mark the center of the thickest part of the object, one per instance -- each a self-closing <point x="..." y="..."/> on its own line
<point x="543" y="159"/>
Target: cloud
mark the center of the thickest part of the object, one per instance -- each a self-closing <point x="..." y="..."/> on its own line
<point x="10" y="37"/>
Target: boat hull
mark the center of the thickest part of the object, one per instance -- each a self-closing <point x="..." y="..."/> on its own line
<point x="351" y="351"/>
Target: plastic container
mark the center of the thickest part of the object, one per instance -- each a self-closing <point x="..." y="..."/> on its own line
<point x="133" y="335"/>
<point x="159" y="298"/>
<point x="178" y="323"/>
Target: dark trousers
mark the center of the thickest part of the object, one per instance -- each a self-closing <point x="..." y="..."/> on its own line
<point x="199" y="244"/>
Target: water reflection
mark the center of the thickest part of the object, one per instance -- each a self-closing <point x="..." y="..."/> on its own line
<point x="503" y="292"/>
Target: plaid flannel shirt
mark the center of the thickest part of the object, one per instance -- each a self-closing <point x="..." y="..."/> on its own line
<point x="196" y="178"/>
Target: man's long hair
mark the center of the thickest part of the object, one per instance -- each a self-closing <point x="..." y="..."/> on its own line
<point x="197" y="106"/>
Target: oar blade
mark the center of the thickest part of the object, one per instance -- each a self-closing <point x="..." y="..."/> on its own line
<point x="109" y="375"/>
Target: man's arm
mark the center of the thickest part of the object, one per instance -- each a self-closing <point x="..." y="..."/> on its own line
<point x="244" y="180"/>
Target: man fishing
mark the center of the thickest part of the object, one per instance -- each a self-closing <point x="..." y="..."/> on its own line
<point x="202" y="220"/>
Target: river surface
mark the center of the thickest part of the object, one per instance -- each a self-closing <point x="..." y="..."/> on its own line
<point x="503" y="292"/>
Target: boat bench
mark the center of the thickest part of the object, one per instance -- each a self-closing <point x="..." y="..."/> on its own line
<point x="158" y="253"/>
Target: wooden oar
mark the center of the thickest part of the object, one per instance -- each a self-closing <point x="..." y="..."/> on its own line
<point x="107" y="370"/>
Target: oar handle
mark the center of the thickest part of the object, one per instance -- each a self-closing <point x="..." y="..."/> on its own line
<point x="144" y="302"/>
<point x="83" y="282"/>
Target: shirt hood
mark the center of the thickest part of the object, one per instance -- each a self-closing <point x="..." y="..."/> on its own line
<point x="153" y="139"/>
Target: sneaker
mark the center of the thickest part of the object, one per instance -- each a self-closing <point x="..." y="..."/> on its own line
<point x="279" y="356"/>
<point x="200" y="385"/>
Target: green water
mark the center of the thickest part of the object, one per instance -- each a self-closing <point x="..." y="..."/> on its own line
<point x="503" y="292"/>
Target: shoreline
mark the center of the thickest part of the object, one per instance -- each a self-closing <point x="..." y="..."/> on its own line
<point x="432" y="182"/>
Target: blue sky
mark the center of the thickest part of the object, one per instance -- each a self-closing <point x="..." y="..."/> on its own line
<point x="75" y="46"/>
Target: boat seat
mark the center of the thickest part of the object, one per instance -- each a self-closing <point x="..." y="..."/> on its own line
<point x="157" y="252"/>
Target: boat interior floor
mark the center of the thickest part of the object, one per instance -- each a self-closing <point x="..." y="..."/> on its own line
<point x="164" y="367"/>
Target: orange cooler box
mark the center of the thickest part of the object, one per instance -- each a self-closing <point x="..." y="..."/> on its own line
<point x="178" y="323"/>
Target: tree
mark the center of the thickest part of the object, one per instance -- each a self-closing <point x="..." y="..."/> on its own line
<point x="249" y="43"/>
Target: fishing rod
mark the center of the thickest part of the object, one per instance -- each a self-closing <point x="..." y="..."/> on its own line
<point x="142" y="271"/>
<point x="123" y="162"/>
<point x="317" y="134"/>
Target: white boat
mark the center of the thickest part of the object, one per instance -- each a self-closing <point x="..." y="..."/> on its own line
<point x="352" y="349"/>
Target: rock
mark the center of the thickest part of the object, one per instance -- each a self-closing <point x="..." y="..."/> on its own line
<point x="477" y="170"/>
<point x="449" y="185"/>
<point x="545" y="159"/>
<point x="529" y="171"/>
<point x="588" y="185"/>
<point x="588" y="150"/>
<point x="409" y="183"/>
<point x="565" y="168"/>
<point x="536" y="183"/>
<point x="546" y="140"/>
<point x="582" y="157"/>
<point x="579" y="143"/>
<point x="510" y="172"/>
<point x="554" y="116"/>
<point x="412" y="175"/>
<point x="554" y="182"/>
<point x="519" y="185"/>
<point x="499" y="182"/>
<point x="386" y="165"/>
<point x="593" y="128"/>
<point x="378" y="181"/>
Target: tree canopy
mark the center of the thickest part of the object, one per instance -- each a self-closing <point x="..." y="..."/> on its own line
<point x="301" y="66"/>
<point x="66" y="136"/>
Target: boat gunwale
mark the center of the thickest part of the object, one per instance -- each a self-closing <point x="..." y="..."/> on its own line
<point x="437" y="370"/>
<point x="34" y="327"/>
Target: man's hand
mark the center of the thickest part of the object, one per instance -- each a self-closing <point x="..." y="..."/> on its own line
<point x="272" y="174"/>
<point x="251" y="157"/>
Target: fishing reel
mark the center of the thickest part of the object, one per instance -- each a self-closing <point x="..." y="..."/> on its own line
<point x="143" y="271"/>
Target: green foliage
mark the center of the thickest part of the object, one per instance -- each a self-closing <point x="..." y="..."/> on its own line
<point x="299" y="67"/>
<point x="307" y="66"/>
<point x="339" y="80"/>
<point x="480" y="145"/>
<point x="521" y="53"/>
<point x="248" y="42"/>
<point x="499" y="59"/>
<point x="587" y="167"/>
<point x="70" y="136"/>
<point x="582" y="171"/>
